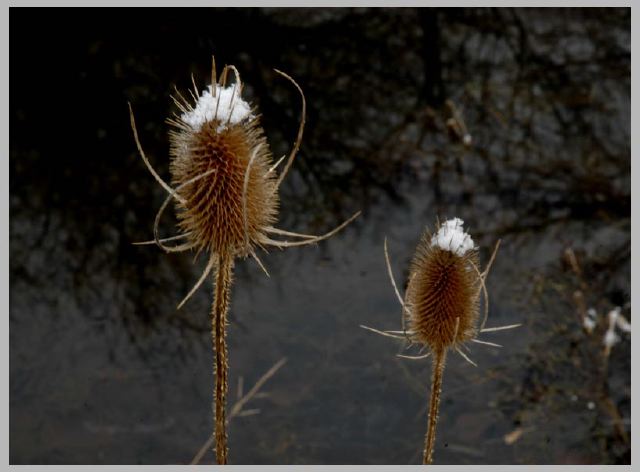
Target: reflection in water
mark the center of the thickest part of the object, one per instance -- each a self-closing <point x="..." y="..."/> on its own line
<point x="517" y="122"/>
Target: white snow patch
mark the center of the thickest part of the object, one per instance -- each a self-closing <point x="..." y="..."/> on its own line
<point x="588" y="324"/>
<point x="623" y="324"/>
<point x="589" y="321"/>
<point x="610" y="337"/>
<point x="231" y="108"/>
<point x="616" y="320"/>
<point x="451" y="237"/>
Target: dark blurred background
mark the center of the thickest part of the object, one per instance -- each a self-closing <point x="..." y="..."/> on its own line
<point x="516" y="121"/>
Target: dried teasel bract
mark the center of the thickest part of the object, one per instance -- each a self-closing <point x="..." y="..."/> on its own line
<point x="225" y="187"/>
<point x="441" y="306"/>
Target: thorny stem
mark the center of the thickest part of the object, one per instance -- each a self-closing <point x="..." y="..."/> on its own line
<point x="434" y="404"/>
<point x="222" y="292"/>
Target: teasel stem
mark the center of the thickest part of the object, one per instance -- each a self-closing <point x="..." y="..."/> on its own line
<point x="434" y="404"/>
<point x="222" y="293"/>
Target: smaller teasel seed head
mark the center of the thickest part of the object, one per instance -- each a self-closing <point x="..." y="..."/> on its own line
<point x="443" y="294"/>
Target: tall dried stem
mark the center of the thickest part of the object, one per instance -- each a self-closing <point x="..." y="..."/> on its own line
<point x="222" y="292"/>
<point x="434" y="404"/>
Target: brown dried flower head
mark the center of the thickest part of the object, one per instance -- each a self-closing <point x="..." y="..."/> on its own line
<point x="443" y="294"/>
<point x="222" y="164"/>
<point x="224" y="180"/>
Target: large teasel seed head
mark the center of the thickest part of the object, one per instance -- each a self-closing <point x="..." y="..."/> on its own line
<point x="221" y="164"/>
<point x="443" y="295"/>
<point x="226" y="190"/>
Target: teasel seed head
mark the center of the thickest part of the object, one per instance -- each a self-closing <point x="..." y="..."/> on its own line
<point x="442" y="300"/>
<point x="226" y="190"/>
<point x="441" y="305"/>
<point x="220" y="161"/>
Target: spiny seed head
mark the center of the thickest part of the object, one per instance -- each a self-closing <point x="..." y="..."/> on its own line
<point x="217" y="145"/>
<point x="443" y="294"/>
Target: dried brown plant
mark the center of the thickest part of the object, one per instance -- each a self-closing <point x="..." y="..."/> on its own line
<point x="441" y="306"/>
<point x="225" y="188"/>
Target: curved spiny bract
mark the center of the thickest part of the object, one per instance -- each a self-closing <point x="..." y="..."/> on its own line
<point x="213" y="213"/>
<point x="442" y="299"/>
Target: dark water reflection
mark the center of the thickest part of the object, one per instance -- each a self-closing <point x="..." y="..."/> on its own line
<point x="105" y="370"/>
